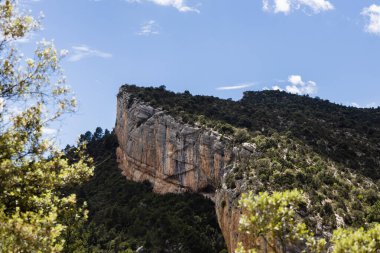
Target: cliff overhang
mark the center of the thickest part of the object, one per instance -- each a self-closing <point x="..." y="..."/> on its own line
<point x="176" y="157"/>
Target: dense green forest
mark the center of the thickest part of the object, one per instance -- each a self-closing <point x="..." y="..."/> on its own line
<point x="326" y="150"/>
<point x="124" y="215"/>
<point x="348" y="135"/>
<point x="331" y="152"/>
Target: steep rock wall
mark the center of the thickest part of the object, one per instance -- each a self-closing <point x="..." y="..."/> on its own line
<point x="176" y="157"/>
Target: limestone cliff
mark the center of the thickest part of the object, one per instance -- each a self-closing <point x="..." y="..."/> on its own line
<point x="177" y="157"/>
<point x="173" y="156"/>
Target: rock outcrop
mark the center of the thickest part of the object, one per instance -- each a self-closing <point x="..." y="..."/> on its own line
<point x="176" y="157"/>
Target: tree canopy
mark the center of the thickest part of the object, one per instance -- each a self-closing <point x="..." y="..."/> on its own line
<point x="33" y="94"/>
<point x="271" y="223"/>
<point x="273" y="218"/>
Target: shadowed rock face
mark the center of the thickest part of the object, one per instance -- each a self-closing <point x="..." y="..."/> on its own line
<point x="176" y="157"/>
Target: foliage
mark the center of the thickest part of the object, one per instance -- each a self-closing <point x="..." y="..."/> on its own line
<point x="374" y="212"/>
<point x="283" y="163"/>
<point x="273" y="219"/>
<point x="327" y="150"/>
<point x="126" y="215"/>
<point x="359" y="241"/>
<point x="32" y="170"/>
<point x="347" y="135"/>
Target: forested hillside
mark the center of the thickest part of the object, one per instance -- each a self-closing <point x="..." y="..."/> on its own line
<point x="126" y="216"/>
<point x="329" y="151"/>
<point x="348" y="135"/>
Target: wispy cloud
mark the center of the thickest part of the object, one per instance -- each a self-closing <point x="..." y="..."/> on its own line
<point x="286" y="6"/>
<point x="149" y="28"/>
<point x="372" y="13"/>
<point x="180" y="5"/>
<point x="236" y="87"/>
<point x="370" y="105"/>
<point x="83" y="51"/>
<point x="296" y="85"/>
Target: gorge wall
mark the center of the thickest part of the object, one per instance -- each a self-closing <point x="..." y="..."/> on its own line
<point x="176" y="157"/>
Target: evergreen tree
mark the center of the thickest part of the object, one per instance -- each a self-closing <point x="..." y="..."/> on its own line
<point x="98" y="133"/>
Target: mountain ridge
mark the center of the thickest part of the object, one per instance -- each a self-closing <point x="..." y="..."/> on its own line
<point x="270" y="111"/>
<point x="332" y="155"/>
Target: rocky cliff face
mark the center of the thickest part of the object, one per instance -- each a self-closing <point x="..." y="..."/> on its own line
<point x="176" y="157"/>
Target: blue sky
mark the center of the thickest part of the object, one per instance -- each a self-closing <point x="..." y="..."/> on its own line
<point x="329" y="49"/>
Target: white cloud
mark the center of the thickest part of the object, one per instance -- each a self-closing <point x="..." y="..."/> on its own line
<point x="295" y="80"/>
<point x="354" y="104"/>
<point x="149" y="28"/>
<point x="370" y="105"/>
<point x="276" y="87"/>
<point x="282" y="6"/>
<point x="297" y="86"/>
<point x="373" y="15"/>
<point x="317" y="5"/>
<point x="180" y="5"/>
<point x="49" y="131"/>
<point x="286" y="6"/>
<point x="236" y="87"/>
<point x="84" y="51"/>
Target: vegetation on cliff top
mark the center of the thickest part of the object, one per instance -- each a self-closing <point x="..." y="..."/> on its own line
<point x="348" y="135"/>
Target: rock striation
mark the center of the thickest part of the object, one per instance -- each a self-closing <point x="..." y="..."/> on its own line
<point x="176" y="157"/>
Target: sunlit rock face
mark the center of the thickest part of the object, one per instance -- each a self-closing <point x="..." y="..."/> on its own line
<point x="177" y="157"/>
